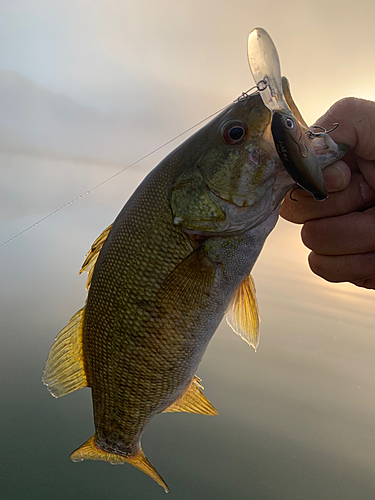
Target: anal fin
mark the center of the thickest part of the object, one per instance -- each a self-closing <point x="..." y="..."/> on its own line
<point x="243" y="315"/>
<point x="89" y="451"/>
<point x="64" y="371"/>
<point x="193" y="401"/>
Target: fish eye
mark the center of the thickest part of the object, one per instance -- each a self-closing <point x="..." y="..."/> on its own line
<point x="289" y="124"/>
<point x="234" y="132"/>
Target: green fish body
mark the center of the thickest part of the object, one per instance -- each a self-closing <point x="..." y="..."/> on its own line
<point x="161" y="278"/>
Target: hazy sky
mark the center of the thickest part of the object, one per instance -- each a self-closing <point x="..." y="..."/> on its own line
<point x="110" y="54"/>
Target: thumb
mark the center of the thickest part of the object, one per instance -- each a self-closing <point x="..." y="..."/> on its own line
<point x="356" y="119"/>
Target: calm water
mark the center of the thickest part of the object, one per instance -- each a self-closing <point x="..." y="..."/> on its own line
<point x="297" y="419"/>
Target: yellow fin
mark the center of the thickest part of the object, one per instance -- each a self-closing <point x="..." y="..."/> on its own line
<point x="193" y="401"/>
<point x="64" y="371"/>
<point x="89" y="451"/>
<point x="242" y="315"/>
<point x="93" y="254"/>
<point x="292" y="104"/>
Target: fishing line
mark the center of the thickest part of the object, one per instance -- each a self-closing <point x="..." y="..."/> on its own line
<point x="108" y="179"/>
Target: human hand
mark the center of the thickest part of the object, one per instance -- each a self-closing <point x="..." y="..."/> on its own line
<point x="340" y="231"/>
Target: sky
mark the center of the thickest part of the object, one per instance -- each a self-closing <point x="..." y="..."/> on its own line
<point x="89" y="87"/>
<point x="111" y="81"/>
<point x="110" y="54"/>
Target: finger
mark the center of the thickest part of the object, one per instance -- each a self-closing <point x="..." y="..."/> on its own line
<point x="367" y="169"/>
<point x="357" y="268"/>
<point x="356" y="119"/>
<point x="356" y="196"/>
<point x="366" y="283"/>
<point x="343" y="235"/>
<point x="337" y="176"/>
<point x="351" y="160"/>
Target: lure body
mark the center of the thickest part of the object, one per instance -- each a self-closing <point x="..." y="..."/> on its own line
<point x="297" y="154"/>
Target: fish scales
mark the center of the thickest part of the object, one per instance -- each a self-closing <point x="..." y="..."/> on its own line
<point x="160" y="279"/>
<point x="150" y="355"/>
<point x="123" y="332"/>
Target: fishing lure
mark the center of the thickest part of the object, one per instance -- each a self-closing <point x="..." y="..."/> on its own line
<point x="287" y="126"/>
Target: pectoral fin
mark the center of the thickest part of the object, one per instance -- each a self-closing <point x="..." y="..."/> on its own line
<point x="64" y="371"/>
<point x="243" y="315"/>
<point x="89" y="451"/>
<point x="190" y="281"/>
<point x="93" y="254"/>
<point x="193" y="401"/>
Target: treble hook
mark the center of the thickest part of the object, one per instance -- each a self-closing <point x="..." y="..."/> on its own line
<point x="319" y="127"/>
<point x="335" y="125"/>
<point x="292" y="191"/>
<point x="311" y="135"/>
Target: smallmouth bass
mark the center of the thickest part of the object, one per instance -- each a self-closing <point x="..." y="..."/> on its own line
<point x="162" y="276"/>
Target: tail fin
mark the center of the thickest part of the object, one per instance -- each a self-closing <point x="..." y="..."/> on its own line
<point x="89" y="451"/>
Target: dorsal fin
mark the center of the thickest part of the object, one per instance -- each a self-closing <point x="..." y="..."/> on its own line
<point x="243" y="315"/>
<point x="90" y="451"/>
<point x="64" y="371"/>
<point x="93" y="254"/>
<point x="193" y="401"/>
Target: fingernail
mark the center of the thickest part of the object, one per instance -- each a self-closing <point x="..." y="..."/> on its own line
<point x="336" y="176"/>
<point x="367" y="193"/>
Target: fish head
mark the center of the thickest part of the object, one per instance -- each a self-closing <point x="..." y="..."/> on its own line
<point x="238" y="179"/>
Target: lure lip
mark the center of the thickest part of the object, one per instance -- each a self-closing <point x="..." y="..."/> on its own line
<point x="294" y="150"/>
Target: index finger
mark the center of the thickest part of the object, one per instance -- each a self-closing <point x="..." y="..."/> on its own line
<point x="358" y="195"/>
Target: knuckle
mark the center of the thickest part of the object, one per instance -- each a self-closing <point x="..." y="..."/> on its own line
<point x="315" y="263"/>
<point x="344" y="107"/>
<point x="308" y="234"/>
<point x="362" y="230"/>
<point x="370" y="223"/>
<point x="290" y="213"/>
